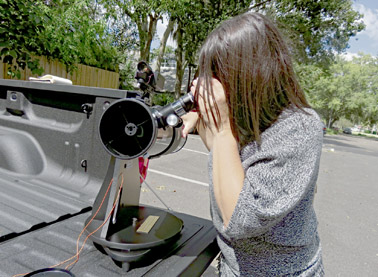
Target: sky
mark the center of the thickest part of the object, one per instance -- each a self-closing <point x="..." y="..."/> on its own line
<point x="367" y="40"/>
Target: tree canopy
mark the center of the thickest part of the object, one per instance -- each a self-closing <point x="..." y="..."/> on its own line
<point x="348" y="89"/>
<point x="90" y="31"/>
<point x="316" y="29"/>
<point x="67" y="30"/>
<point x="108" y="33"/>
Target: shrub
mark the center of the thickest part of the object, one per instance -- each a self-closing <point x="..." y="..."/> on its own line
<point x="163" y="98"/>
<point x="65" y="30"/>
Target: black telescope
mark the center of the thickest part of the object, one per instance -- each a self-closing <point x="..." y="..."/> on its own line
<point x="129" y="128"/>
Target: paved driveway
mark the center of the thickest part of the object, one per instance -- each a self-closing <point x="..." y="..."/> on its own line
<point x="346" y="202"/>
<point x="347" y="205"/>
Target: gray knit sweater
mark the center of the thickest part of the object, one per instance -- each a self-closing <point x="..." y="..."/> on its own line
<point x="273" y="229"/>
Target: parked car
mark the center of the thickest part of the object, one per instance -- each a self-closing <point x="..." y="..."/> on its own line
<point x="347" y="131"/>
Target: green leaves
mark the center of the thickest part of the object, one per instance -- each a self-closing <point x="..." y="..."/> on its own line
<point x="316" y="29"/>
<point x="77" y="34"/>
<point x="18" y="33"/>
<point x="67" y="30"/>
<point x="348" y="89"/>
<point x="100" y="32"/>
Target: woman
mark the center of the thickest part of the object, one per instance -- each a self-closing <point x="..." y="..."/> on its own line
<point x="265" y="144"/>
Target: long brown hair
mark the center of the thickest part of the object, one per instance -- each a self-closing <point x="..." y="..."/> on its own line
<point x="248" y="55"/>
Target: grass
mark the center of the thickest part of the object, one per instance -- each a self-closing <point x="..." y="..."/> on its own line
<point x="365" y="135"/>
<point x="361" y="134"/>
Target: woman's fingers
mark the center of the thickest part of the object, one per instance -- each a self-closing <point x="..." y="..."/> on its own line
<point x="190" y="121"/>
<point x="212" y="104"/>
<point x="208" y="100"/>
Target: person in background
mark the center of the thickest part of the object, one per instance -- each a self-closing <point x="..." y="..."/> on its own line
<point x="265" y="144"/>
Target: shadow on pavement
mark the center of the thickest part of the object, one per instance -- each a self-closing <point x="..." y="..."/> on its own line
<point x="338" y="142"/>
<point x="352" y="144"/>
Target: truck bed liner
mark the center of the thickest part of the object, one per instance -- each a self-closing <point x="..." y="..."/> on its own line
<point x="24" y="205"/>
<point x="53" y="244"/>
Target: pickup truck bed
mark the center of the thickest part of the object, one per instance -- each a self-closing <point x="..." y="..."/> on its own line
<point x="52" y="166"/>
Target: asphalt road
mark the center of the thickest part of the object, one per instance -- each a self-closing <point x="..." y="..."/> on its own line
<point x="346" y="201"/>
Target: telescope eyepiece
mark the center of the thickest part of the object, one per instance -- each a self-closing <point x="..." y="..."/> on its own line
<point x="178" y="108"/>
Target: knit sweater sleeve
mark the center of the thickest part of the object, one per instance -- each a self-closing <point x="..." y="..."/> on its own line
<point x="278" y="174"/>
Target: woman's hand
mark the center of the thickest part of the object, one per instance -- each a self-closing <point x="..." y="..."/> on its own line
<point x="190" y="121"/>
<point x="213" y="126"/>
<point x="206" y="106"/>
<point x="208" y="131"/>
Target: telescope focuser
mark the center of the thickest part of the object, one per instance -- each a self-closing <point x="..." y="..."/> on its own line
<point x="170" y="115"/>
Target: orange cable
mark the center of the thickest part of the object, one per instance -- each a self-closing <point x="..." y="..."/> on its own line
<point x="98" y="228"/>
<point x="77" y="242"/>
<point x="110" y="213"/>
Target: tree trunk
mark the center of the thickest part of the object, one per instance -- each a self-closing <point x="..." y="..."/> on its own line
<point x="334" y="121"/>
<point x="179" y="63"/>
<point x="189" y="76"/>
<point x="163" y="43"/>
<point x="142" y="31"/>
<point x="147" y="30"/>
<point x="329" y="119"/>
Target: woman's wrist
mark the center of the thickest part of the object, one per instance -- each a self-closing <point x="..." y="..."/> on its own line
<point x="223" y="130"/>
<point x="224" y="137"/>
